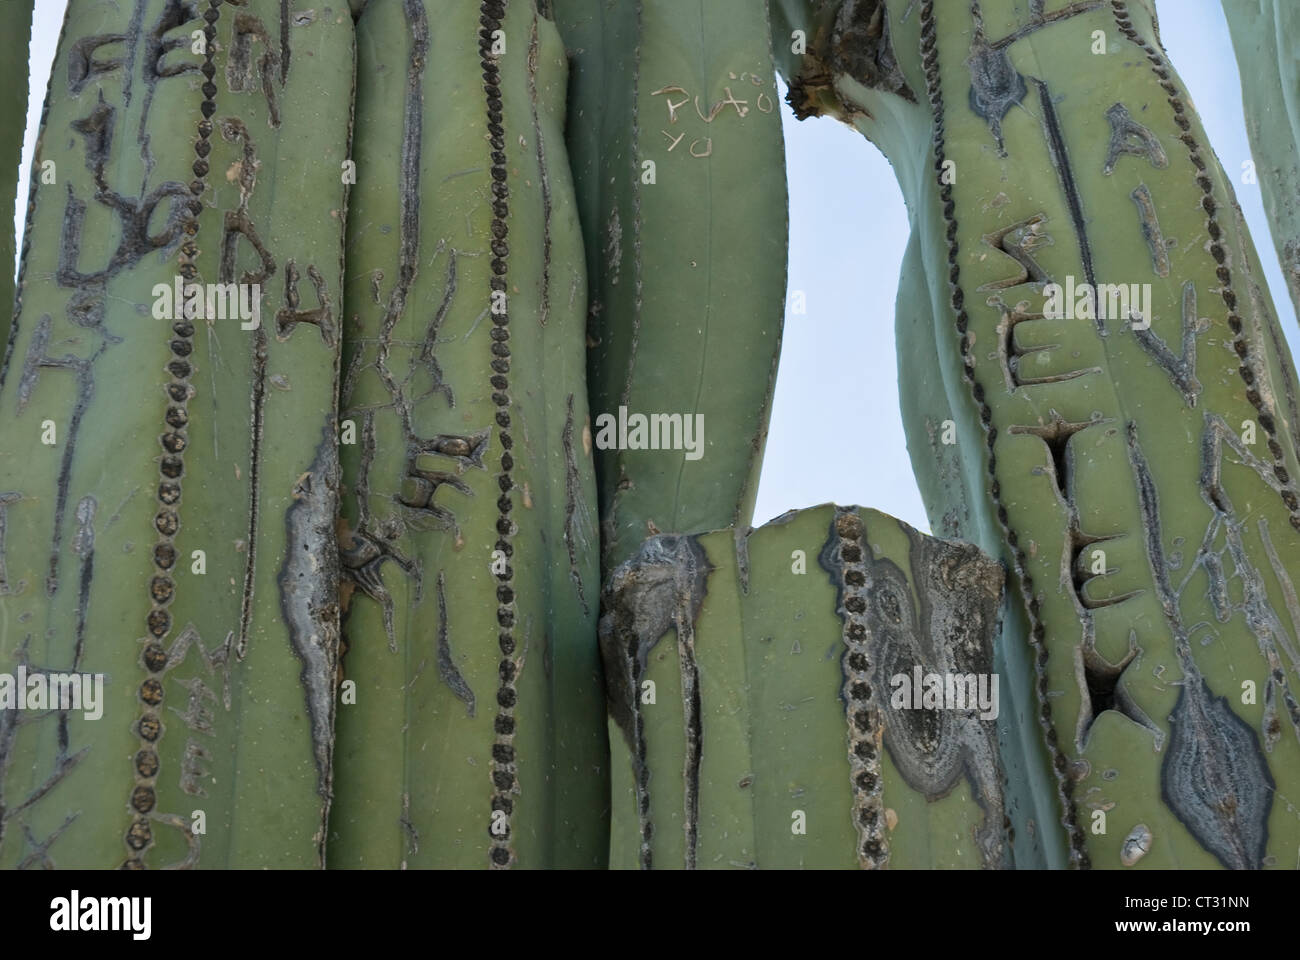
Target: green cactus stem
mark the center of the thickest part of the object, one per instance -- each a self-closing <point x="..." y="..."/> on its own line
<point x="470" y="732"/>
<point x="15" y="35"/>
<point x="168" y="480"/>
<point x="1263" y="39"/>
<point x="678" y="162"/>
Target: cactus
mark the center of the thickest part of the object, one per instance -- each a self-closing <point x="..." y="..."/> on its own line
<point x="15" y="33"/>
<point x="1263" y="37"/>
<point x="1139" y="481"/>
<point x="776" y="731"/>
<point x="386" y="472"/>
<point x="679" y="167"/>
<point x="148" y="535"/>
<point x="469" y="536"/>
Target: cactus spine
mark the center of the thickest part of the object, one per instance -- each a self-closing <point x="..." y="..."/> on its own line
<point x="678" y="159"/>
<point x="470" y="542"/>
<point x="149" y="538"/>
<point x="1139" y="481"/>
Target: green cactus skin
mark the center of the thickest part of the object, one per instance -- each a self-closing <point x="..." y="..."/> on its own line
<point x="218" y="689"/>
<point x="688" y="272"/>
<point x="928" y="422"/>
<point x="470" y="544"/>
<point x="15" y="35"/>
<point x="1263" y="39"/>
<point x="774" y="704"/>
<point x="1077" y="436"/>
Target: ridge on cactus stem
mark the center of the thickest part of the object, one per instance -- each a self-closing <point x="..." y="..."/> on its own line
<point x="469" y="533"/>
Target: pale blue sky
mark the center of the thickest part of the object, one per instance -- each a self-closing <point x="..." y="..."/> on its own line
<point x="845" y="250"/>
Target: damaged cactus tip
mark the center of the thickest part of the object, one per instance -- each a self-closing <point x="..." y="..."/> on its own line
<point x="1114" y="414"/>
<point x="829" y="701"/>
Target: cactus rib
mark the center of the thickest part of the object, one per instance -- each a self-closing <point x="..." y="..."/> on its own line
<point x="469" y="549"/>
